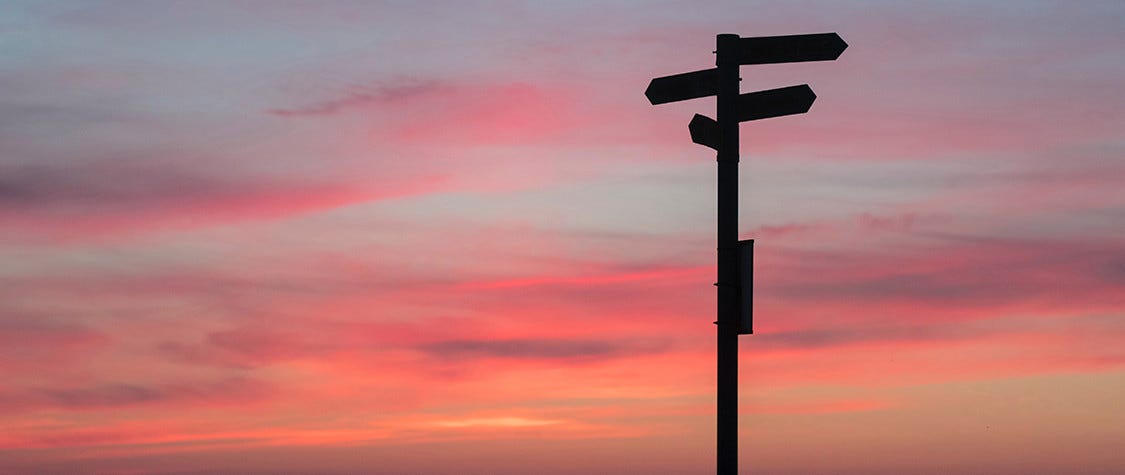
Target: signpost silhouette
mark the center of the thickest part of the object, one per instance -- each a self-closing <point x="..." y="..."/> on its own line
<point x="735" y="258"/>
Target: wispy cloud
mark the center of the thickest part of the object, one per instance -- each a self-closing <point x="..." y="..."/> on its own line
<point x="116" y="395"/>
<point x="540" y="349"/>
<point x="515" y="422"/>
<point x="31" y="344"/>
<point x="367" y="96"/>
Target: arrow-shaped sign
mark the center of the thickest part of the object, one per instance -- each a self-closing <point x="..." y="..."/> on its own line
<point x="704" y="131"/>
<point x="754" y="50"/>
<point x="753" y="106"/>
<point x="790" y="49"/>
<point x="775" y="102"/>
<point x="684" y="86"/>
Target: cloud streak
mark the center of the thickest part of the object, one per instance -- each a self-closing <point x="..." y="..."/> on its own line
<point x="122" y="395"/>
<point x="539" y="349"/>
<point x="366" y="96"/>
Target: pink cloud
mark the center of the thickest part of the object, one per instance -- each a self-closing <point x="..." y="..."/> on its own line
<point x="443" y="114"/>
<point x="118" y="395"/>
<point x="823" y="407"/>
<point x="988" y="275"/>
<point x="366" y="96"/>
<point x="593" y="280"/>
<point x="30" y="345"/>
<point x="555" y="350"/>
<point x="121" y="189"/>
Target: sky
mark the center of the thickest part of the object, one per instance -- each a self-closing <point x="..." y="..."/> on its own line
<point x="256" y="236"/>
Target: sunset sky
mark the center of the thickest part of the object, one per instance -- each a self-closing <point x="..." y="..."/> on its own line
<point x="454" y="237"/>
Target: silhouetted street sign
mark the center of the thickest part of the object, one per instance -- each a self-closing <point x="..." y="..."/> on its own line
<point x="734" y="276"/>
<point x="682" y="87"/>
<point x="704" y="131"/>
<point x="790" y="49"/>
<point x="775" y="102"/>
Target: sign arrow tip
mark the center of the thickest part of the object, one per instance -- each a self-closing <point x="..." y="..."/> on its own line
<point x="649" y="93"/>
<point x="839" y="45"/>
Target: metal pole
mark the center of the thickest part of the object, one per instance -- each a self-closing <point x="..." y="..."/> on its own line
<point x="726" y="58"/>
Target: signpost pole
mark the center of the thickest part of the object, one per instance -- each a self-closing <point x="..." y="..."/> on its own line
<point x="734" y="312"/>
<point x="727" y="61"/>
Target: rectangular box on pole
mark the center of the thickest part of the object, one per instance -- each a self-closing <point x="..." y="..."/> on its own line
<point x="746" y="287"/>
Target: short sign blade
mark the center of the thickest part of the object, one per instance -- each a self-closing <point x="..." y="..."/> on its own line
<point x="790" y="49"/>
<point x="681" y="87"/>
<point x="775" y="102"/>
<point x="704" y="131"/>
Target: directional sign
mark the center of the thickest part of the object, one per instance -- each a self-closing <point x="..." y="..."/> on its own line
<point x="790" y="49"/>
<point x="753" y="106"/>
<point x="682" y="87"/>
<point x="704" y="131"/>
<point x="735" y="270"/>
<point x="775" y="102"/>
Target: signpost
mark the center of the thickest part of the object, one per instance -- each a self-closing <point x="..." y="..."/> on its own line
<point x="735" y="259"/>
